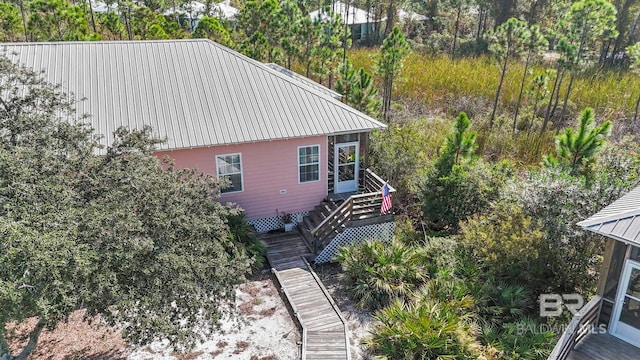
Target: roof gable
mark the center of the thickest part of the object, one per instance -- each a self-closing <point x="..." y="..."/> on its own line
<point x="620" y="220"/>
<point x="195" y="92"/>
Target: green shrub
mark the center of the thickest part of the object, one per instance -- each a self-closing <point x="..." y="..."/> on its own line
<point x="524" y="339"/>
<point x="427" y="329"/>
<point x="240" y="231"/>
<point x="381" y="272"/>
<point x="467" y="190"/>
<point x="506" y="244"/>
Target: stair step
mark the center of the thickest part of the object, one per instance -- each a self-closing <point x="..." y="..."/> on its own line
<point x="306" y="222"/>
<point x="316" y="218"/>
<point x="326" y="209"/>
<point x="306" y="236"/>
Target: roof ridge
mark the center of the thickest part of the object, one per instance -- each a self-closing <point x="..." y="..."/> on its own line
<point x="295" y="82"/>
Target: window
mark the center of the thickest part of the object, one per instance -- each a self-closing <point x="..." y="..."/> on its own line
<point x="309" y="163"/>
<point x="230" y="167"/>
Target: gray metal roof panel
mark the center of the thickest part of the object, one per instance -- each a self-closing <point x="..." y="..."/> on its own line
<point x="627" y="205"/>
<point x="304" y="80"/>
<point x="619" y="220"/>
<point x="194" y="92"/>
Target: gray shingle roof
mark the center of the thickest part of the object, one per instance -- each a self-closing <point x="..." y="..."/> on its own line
<point x="195" y="92"/>
<point x="620" y="220"/>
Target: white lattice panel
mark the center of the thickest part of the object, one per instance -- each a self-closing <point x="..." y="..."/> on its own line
<point x="356" y="235"/>
<point x="275" y="222"/>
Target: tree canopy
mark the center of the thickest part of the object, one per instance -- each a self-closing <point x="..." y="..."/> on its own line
<point x="124" y="235"/>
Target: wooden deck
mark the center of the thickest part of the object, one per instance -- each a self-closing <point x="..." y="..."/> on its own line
<point x="324" y="334"/>
<point x="604" y="347"/>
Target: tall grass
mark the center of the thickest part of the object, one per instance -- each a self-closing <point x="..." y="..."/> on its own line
<point x="469" y="84"/>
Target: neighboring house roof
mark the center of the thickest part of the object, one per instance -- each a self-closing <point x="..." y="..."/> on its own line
<point x="351" y="15"/>
<point x="410" y="16"/>
<point x="102" y="8"/>
<point x="225" y="10"/>
<point x="195" y="92"/>
<point x="620" y="220"/>
<point x="305" y="80"/>
<point x="196" y="10"/>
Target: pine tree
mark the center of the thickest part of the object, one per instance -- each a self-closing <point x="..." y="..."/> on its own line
<point x="589" y="20"/>
<point x="392" y="53"/>
<point x="534" y="45"/>
<point x="634" y="54"/>
<point x="357" y="89"/>
<point x="458" y="145"/>
<point x="576" y="150"/>
<point x="211" y="28"/>
<point x="507" y="42"/>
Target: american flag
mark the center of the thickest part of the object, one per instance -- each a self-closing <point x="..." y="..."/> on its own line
<point x="386" y="199"/>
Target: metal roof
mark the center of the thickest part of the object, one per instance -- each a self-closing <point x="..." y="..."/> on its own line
<point x="195" y="92"/>
<point x="350" y="14"/>
<point x="620" y="220"/>
<point x="354" y="15"/>
<point x="305" y="80"/>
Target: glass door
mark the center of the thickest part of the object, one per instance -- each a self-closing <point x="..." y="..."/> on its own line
<point x="626" y="314"/>
<point x="346" y="167"/>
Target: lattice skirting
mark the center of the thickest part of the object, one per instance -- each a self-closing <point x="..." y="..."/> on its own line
<point x="356" y="235"/>
<point x="275" y="222"/>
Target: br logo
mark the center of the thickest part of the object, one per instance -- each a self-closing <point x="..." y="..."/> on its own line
<point x="551" y="304"/>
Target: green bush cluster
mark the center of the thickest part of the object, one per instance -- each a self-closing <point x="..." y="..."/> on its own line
<point x="510" y="234"/>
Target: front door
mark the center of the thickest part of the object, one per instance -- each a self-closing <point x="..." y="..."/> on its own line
<point x="346" y="167"/>
<point x="626" y="313"/>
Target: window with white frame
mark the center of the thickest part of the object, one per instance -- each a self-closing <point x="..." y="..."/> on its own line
<point x="230" y="167"/>
<point x="308" y="163"/>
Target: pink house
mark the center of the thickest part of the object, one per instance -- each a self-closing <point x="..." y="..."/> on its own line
<point x="288" y="147"/>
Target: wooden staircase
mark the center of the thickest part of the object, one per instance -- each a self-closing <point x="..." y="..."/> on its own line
<point x="326" y="210"/>
<point x="336" y="214"/>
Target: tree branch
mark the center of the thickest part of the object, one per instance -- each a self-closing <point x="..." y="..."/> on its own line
<point x="5" y="352"/>
<point x="33" y="340"/>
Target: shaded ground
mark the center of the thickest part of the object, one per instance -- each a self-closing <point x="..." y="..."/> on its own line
<point x="359" y="321"/>
<point x="263" y="331"/>
<point x="75" y="339"/>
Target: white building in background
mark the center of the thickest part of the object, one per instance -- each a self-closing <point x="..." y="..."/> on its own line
<point x="194" y="11"/>
<point x="361" y="22"/>
<point x="103" y="8"/>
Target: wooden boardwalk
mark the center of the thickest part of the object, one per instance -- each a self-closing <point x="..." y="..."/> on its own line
<point x="603" y="347"/>
<point x="324" y="334"/>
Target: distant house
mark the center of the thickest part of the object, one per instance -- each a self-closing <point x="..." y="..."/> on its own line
<point x="363" y="25"/>
<point x="104" y="8"/>
<point x="193" y="11"/>
<point x="285" y="146"/>
<point x="608" y="326"/>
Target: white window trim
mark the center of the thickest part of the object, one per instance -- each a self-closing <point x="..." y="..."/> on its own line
<point x="319" y="162"/>
<point x="241" y="172"/>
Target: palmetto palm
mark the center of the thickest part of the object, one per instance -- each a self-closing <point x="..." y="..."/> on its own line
<point x="425" y="329"/>
<point x="381" y="272"/>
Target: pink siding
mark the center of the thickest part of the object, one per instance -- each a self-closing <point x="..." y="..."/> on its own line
<point x="267" y="168"/>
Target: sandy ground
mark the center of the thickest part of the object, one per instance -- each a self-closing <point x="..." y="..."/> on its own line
<point x="263" y="330"/>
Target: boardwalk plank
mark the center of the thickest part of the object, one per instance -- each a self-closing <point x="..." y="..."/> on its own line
<point x="326" y="337"/>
